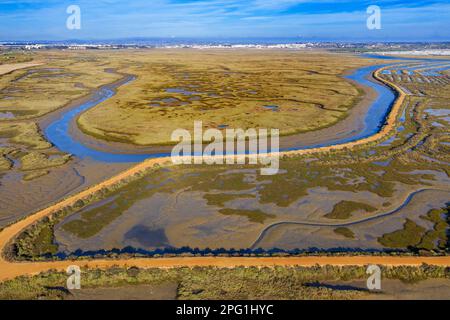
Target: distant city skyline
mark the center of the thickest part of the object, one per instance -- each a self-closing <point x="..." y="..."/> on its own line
<point x="302" y="20"/>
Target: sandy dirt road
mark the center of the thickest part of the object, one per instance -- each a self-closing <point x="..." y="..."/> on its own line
<point x="9" y="269"/>
<point x="12" y="270"/>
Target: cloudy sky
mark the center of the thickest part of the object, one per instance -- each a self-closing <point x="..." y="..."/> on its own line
<point x="338" y="20"/>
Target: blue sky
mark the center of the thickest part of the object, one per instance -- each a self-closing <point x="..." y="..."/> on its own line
<point x="339" y="20"/>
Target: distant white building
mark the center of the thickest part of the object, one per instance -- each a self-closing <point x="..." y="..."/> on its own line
<point x="33" y="46"/>
<point x="77" y="47"/>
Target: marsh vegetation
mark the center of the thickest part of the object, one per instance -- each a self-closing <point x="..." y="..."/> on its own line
<point x="284" y="283"/>
<point x="359" y="198"/>
<point x="224" y="89"/>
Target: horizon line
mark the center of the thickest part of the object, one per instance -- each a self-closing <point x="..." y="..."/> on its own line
<point x="223" y="40"/>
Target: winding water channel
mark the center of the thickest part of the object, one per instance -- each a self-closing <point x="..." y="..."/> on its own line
<point x="59" y="133"/>
<point x="345" y="224"/>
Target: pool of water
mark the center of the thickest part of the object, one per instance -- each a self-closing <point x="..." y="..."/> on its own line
<point x="375" y="118"/>
<point x="7" y="115"/>
<point x="272" y="107"/>
<point x="183" y="91"/>
<point x="425" y="67"/>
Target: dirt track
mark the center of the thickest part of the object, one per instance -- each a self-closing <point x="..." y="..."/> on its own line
<point x="10" y="270"/>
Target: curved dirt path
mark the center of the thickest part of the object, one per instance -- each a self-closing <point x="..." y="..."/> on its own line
<point x="10" y="269"/>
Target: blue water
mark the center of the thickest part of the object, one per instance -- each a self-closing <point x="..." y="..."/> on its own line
<point x="434" y="72"/>
<point x="58" y="132"/>
<point x="377" y="113"/>
<point x="426" y="67"/>
<point x="378" y="56"/>
<point x="272" y="107"/>
<point x="431" y="69"/>
<point x="383" y="57"/>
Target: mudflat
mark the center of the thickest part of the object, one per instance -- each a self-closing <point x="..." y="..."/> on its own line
<point x="138" y="292"/>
